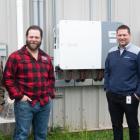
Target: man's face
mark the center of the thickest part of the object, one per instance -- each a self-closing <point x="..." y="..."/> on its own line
<point x="33" y="40"/>
<point x="123" y="37"/>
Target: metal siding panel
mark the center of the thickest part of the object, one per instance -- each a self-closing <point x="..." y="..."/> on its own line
<point x="90" y="114"/>
<point x="26" y="15"/>
<point x="98" y="10"/>
<point x="73" y="108"/>
<point x="3" y="21"/>
<point x="83" y="108"/>
<point x="50" y="25"/>
<point x="118" y="15"/>
<point x="12" y="26"/>
<point x="135" y="21"/>
<point x="8" y="24"/>
<point x="57" y="113"/>
<point x="74" y="9"/>
<point x="104" y="117"/>
<point x="57" y="109"/>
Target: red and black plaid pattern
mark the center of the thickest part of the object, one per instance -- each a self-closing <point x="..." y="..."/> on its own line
<point x="23" y="75"/>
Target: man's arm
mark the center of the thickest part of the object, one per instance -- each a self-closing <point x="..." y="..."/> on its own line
<point x="9" y="78"/>
<point x="51" y="88"/>
<point x="106" y="74"/>
<point x="137" y="93"/>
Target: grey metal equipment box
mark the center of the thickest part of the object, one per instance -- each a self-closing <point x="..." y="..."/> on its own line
<point x="83" y="44"/>
<point x="108" y="38"/>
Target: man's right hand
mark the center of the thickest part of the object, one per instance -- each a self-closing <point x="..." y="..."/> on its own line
<point x="26" y="98"/>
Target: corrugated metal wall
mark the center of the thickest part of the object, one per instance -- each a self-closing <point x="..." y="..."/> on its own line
<point x="76" y="107"/>
<point x="8" y="23"/>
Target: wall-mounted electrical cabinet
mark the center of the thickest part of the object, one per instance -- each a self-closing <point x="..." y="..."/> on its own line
<point x="83" y="44"/>
<point x="80" y="51"/>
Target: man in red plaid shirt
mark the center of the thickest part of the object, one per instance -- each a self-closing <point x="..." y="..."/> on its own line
<point x="29" y="79"/>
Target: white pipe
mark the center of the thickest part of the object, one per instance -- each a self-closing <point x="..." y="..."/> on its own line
<point x="41" y="19"/>
<point x="20" y="23"/>
<point x="35" y="12"/>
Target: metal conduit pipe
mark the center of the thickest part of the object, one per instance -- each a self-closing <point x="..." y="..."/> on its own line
<point x="41" y="13"/>
<point x="90" y="9"/>
<point x="54" y="12"/>
<point x="109" y="12"/>
<point x="35" y="12"/>
<point x="38" y="16"/>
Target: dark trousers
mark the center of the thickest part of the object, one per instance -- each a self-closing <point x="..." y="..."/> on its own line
<point x="117" y="108"/>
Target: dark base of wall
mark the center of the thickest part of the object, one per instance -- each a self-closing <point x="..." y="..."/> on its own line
<point x="7" y="128"/>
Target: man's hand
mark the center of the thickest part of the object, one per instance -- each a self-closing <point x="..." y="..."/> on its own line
<point x="26" y="98"/>
<point x="136" y="96"/>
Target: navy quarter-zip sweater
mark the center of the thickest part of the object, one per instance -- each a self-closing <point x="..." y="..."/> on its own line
<point x="122" y="71"/>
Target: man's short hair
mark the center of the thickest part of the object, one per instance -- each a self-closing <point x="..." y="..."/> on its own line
<point x="34" y="27"/>
<point x="124" y="27"/>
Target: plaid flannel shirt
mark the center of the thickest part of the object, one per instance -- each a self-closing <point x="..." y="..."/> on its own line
<point x="24" y="75"/>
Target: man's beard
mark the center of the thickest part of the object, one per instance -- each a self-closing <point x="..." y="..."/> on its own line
<point x="32" y="46"/>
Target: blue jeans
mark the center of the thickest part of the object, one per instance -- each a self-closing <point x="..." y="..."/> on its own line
<point x="26" y="115"/>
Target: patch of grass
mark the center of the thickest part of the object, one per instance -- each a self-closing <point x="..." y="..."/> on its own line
<point x="84" y="135"/>
<point x="3" y="137"/>
<point x="59" y="134"/>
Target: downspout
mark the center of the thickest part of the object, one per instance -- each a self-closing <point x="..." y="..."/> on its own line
<point x="54" y="42"/>
<point x="19" y="5"/>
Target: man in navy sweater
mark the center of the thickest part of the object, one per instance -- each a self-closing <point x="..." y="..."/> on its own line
<point x="122" y="84"/>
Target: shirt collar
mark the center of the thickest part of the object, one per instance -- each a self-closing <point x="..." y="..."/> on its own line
<point x="25" y="51"/>
<point x="124" y="48"/>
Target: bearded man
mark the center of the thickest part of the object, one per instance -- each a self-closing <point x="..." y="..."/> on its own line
<point x="29" y="80"/>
